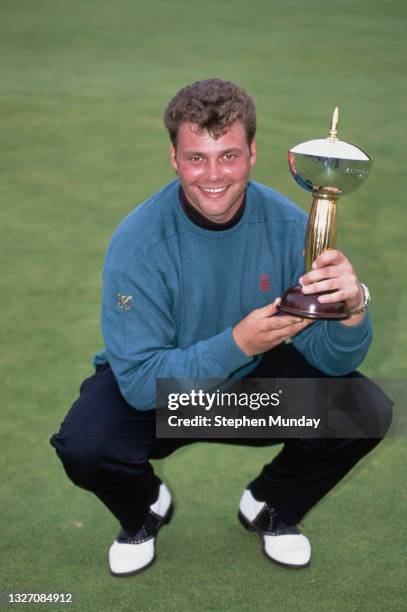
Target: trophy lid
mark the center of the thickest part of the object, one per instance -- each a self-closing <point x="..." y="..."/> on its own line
<point x="324" y="147"/>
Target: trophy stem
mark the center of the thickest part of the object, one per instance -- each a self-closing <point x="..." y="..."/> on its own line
<point x="321" y="229"/>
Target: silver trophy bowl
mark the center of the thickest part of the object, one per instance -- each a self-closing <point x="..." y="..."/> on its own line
<point x="329" y="165"/>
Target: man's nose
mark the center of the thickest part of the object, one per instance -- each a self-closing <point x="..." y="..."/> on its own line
<point x="213" y="170"/>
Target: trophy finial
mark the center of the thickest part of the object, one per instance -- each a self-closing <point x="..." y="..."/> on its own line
<point x="334" y="125"/>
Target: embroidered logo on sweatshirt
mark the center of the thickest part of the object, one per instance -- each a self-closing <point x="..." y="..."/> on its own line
<point x="265" y="284"/>
<point x="124" y="302"/>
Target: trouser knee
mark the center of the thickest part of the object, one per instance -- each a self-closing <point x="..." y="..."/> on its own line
<point x="373" y="418"/>
<point x="92" y="462"/>
<point x="81" y="462"/>
<point x="102" y="439"/>
<point x="361" y="410"/>
<point x="378" y="411"/>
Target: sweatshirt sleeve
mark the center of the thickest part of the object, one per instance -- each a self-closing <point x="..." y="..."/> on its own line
<point x="334" y="348"/>
<point x="140" y="333"/>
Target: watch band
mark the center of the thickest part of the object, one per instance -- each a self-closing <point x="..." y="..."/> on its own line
<point x="366" y="300"/>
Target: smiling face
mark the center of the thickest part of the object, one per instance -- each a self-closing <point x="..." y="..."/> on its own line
<point x="213" y="172"/>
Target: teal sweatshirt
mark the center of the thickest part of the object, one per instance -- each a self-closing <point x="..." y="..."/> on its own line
<point x="173" y="291"/>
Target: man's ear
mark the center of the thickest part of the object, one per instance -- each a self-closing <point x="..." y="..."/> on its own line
<point x="253" y="153"/>
<point x="173" y="158"/>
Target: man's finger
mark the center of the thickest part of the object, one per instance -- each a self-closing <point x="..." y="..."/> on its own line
<point x="331" y="256"/>
<point x="330" y="284"/>
<point x="331" y="298"/>
<point x="283" y="322"/>
<point x="295" y="329"/>
<point x="269" y="310"/>
<point x="287" y="331"/>
<point x="319" y="274"/>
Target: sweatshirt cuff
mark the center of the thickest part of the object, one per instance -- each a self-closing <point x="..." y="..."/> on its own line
<point x="350" y="335"/>
<point x="227" y="353"/>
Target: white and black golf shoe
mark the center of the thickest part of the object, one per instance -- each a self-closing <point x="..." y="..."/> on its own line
<point x="282" y="543"/>
<point x="130" y="555"/>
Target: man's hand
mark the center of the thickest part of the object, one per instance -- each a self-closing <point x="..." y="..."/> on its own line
<point x="260" y="331"/>
<point x="333" y="272"/>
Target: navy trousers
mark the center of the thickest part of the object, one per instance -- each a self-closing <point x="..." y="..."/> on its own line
<point x="106" y="446"/>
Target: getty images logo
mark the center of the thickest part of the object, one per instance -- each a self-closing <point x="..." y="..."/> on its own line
<point x="222" y="399"/>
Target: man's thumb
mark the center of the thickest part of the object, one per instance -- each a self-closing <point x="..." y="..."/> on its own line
<point x="270" y="309"/>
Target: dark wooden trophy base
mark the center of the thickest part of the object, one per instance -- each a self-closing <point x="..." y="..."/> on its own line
<point x="294" y="302"/>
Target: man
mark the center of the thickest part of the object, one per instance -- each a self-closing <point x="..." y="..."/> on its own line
<point x="192" y="280"/>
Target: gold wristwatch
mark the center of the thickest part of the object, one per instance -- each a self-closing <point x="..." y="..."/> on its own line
<point x="366" y="300"/>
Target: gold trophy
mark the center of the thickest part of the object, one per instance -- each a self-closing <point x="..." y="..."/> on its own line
<point x="328" y="168"/>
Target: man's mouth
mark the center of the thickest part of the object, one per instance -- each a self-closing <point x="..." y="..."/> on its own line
<point x="214" y="190"/>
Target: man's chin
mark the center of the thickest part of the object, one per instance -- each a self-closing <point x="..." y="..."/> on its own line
<point x="216" y="211"/>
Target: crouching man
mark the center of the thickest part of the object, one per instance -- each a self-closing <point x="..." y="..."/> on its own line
<point x="192" y="278"/>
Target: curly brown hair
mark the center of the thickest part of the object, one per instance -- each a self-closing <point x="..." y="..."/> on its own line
<point x="213" y="105"/>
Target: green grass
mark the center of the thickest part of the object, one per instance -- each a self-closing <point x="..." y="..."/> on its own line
<point x="83" y="86"/>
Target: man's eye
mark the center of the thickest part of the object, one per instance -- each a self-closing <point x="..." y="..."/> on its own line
<point x="195" y="158"/>
<point x="229" y="156"/>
